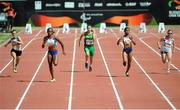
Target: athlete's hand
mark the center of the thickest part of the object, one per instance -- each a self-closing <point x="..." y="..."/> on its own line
<point x="173" y="51"/>
<point x="43" y="45"/>
<point x="63" y="53"/>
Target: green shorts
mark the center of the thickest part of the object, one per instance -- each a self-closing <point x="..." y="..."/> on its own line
<point x="89" y="50"/>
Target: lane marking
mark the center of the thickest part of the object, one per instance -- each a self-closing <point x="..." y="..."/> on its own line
<point x="146" y="74"/>
<point x="72" y="73"/>
<point x="29" y="85"/>
<point x="109" y="74"/>
<point x="22" y="49"/>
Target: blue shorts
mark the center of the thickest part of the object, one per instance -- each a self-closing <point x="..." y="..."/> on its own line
<point x="53" y="52"/>
<point x="127" y="50"/>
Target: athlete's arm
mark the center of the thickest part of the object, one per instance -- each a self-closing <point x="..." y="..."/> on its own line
<point x="82" y="35"/>
<point x="173" y="45"/>
<point x="158" y="43"/>
<point x="44" y="42"/>
<point x="119" y="40"/>
<point x="20" y="40"/>
<point x="62" y="45"/>
<point x="14" y="14"/>
<point x="7" y="43"/>
<point x="133" y="40"/>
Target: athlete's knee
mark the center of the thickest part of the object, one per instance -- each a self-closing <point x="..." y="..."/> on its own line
<point x="55" y="64"/>
<point x="164" y="60"/>
<point x="129" y="64"/>
<point x="50" y="65"/>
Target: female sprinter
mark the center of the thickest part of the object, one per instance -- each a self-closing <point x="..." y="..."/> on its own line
<point x="51" y="41"/>
<point x="127" y="41"/>
<point x="16" y="50"/>
<point x="89" y="37"/>
<point x="166" y="46"/>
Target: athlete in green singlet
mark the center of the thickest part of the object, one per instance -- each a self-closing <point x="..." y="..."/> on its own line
<point x="89" y="37"/>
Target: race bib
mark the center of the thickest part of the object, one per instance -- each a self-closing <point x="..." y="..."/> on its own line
<point x="89" y="42"/>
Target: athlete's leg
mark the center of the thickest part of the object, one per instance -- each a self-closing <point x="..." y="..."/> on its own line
<point x="91" y="61"/>
<point x="87" y="53"/>
<point x="124" y="56"/>
<point x="55" y="60"/>
<point x="91" y="57"/>
<point x="13" y="54"/>
<point x="169" y="57"/>
<point x="17" y="60"/>
<point x="50" y="62"/>
<point x="129" y="60"/>
<point x="163" y="57"/>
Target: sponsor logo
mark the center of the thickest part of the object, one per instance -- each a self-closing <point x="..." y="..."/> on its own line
<point x="82" y="5"/>
<point x="130" y="4"/>
<point x="174" y="14"/>
<point x="145" y="4"/>
<point x="38" y="5"/>
<point x="98" y="4"/>
<point x="113" y="4"/>
<point x="69" y="5"/>
<point x="174" y="4"/>
<point x="53" y="5"/>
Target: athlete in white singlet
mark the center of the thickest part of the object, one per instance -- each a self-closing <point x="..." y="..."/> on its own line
<point x="16" y="50"/>
<point x="127" y="41"/>
<point x="166" y="46"/>
<point x="51" y="41"/>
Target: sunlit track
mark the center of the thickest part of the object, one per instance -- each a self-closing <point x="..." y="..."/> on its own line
<point x="29" y="85"/>
<point x="72" y="74"/>
<point x="106" y="87"/>
<point x="151" y="80"/>
<point x="111" y="79"/>
<point x="22" y="49"/>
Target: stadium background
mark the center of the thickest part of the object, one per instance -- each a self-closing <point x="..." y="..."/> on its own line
<point x="113" y="12"/>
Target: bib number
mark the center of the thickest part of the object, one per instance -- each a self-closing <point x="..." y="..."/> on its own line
<point x="89" y="42"/>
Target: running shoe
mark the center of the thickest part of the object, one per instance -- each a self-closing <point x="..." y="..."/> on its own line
<point x="15" y="70"/>
<point x="127" y="74"/>
<point x="168" y="70"/>
<point x="86" y="65"/>
<point x="90" y="68"/>
<point x="52" y="80"/>
<point x="124" y="63"/>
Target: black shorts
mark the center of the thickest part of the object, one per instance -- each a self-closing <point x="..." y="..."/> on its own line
<point x="17" y="52"/>
<point x="163" y="52"/>
<point x="10" y="20"/>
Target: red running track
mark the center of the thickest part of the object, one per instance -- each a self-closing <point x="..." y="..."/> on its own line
<point x="106" y="87"/>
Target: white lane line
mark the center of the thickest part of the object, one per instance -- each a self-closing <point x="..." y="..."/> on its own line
<point x="158" y="37"/>
<point x="29" y="85"/>
<point x="146" y="74"/>
<point x="72" y="73"/>
<point x="159" y="90"/>
<point x="155" y="51"/>
<point x="109" y="74"/>
<point x="22" y="49"/>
